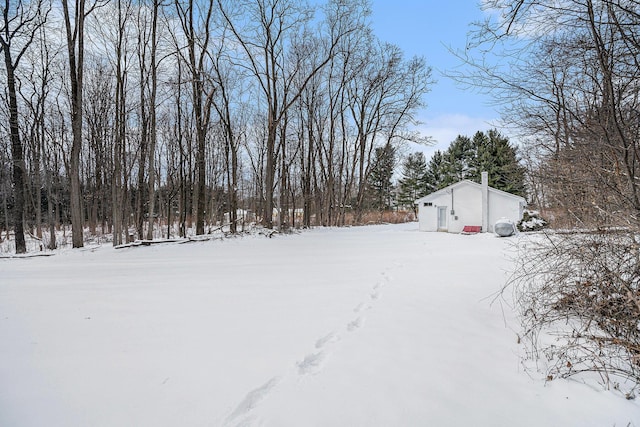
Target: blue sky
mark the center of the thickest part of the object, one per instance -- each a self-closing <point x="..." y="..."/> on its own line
<point x="426" y="28"/>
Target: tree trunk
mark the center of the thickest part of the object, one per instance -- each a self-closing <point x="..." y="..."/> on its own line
<point x="17" y="155"/>
<point x="38" y="185"/>
<point x="75" y="47"/>
<point x="270" y="173"/>
<point x="144" y="136"/>
<point x="153" y="134"/>
<point x="51" y="216"/>
<point x="6" y="215"/>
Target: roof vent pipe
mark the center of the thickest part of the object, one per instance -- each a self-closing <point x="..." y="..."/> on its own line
<point x="485" y="201"/>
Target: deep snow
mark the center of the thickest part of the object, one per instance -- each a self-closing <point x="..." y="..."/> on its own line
<point x="369" y="326"/>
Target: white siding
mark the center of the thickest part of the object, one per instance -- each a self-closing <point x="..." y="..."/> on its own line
<point x="463" y="203"/>
<point x="467" y="202"/>
<point x="428" y="215"/>
<point x="503" y="206"/>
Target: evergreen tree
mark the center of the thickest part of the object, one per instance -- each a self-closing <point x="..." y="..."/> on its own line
<point x="380" y="187"/>
<point x="436" y="171"/>
<point x="467" y="158"/>
<point x="413" y="183"/>
<point x="458" y="160"/>
<point x="495" y="155"/>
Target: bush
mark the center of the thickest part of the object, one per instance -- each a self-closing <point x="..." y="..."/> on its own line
<point x="579" y="300"/>
<point x="531" y="221"/>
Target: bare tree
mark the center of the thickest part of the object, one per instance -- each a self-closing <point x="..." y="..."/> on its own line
<point x="265" y="29"/>
<point x="119" y="183"/>
<point x="74" y="19"/>
<point x="383" y="97"/>
<point x="153" y="126"/>
<point x="258" y="83"/>
<point x="143" y="35"/>
<point x="568" y="79"/>
<point x="230" y="109"/>
<point x="36" y="91"/>
<point x="5" y="188"/>
<point x="572" y="91"/>
<point x="147" y="56"/>
<point x="196" y="20"/>
<point x="19" y="27"/>
<point x="99" y="118"/>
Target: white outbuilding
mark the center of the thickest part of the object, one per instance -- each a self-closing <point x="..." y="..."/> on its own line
<point x="468" y="204"/>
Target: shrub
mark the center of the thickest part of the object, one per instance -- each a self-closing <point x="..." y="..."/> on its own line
<point x="531" y="221"/>
<point x="579" y="300"/>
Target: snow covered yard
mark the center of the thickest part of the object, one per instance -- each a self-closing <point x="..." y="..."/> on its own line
<point x="369" y="326"/>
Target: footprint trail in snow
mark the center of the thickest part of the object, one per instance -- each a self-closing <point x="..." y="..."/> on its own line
<point x="250" y="401"/>
<point x="314" y="361"/>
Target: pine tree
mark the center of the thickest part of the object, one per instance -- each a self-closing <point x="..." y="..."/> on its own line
<point x="436" y="171"/>
<point x="380" y="187"/>
<point x="467" y="158"/>
<point x="458" y="159"/>
<point x="495" y="155"/>
<point x="413" y="183"/>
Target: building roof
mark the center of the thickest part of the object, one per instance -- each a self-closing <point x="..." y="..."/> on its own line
<point x="448" y="188"/>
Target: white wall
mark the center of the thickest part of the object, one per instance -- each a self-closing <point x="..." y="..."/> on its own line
<point x="503" y="206"/>
<point x="428" y="215"/>
<point x="428" y="218"/>
<point x="467" y="206"/>
<point x="466" y="202"/>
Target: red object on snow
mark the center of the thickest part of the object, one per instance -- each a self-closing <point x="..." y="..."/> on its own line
<point x="471" y="229"/>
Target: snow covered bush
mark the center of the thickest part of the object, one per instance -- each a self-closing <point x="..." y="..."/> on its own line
<point x="531" y="221"/>
<point x="579" y="300"/>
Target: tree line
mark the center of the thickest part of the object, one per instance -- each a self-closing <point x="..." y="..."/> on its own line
<point x="465" y="158"/>
<point x="127" y="115"/>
